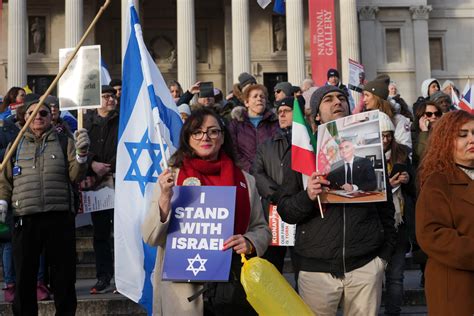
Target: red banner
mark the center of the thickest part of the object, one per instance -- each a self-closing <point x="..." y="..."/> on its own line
<point x="322" y="26"/>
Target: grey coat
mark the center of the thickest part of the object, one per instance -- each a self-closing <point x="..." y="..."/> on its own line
<point x="170" y="298"/>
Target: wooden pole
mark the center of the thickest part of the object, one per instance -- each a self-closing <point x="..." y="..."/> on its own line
<point x="9" y="154"/>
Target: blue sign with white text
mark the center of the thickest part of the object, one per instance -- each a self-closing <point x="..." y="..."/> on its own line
<point x="202" y="219"/>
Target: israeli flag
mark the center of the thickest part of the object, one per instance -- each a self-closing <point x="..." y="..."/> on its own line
<point x="147" y="110"/>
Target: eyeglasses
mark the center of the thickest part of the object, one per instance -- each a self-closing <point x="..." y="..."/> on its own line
<point x="108" y="96"/>
<point x="387" y="136"/>
<point x="430" y="114"/>
<point x="278" y="91"/>
<point x="284" y="111"/>
<point x="211" y="133"/>
<point x="42" y="113"/>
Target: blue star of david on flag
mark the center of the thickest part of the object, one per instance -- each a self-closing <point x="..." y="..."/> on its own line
<point x="135" y="150"/>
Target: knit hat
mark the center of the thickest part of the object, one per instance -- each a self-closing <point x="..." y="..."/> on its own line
<point x="379" y="86"/>
<point x="34" y="98"/>
<point x="290" y="101"/>
<point x="318" y="95"/>
<point x="386" y="124"/>
<point x="284" y="86"/>
<point x="439" y="94"/>
<point x="107" y="88"/>
<point x="184" y="108"/>
<point x="115" y="82"/>
<point x="245" y="79"/>
<point x="333" y="73"/>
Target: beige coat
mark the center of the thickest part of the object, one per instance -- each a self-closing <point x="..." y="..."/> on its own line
<point x="170" y="298"/>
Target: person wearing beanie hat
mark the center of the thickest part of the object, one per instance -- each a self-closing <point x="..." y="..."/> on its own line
<point x="333" y="80"/>
<point x="379" y="86"/>
<point x="320" y="242"/>
<point x="442" y="99"/>
<point x="282" y="89"/>
<point x="336" y="104"/>
<point x="428" y="87"/>
<point x="375" y="94"/>
<point x="400" y="169"/>
<point x="246" y="79"/>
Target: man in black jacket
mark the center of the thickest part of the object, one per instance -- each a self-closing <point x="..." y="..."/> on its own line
<point x="268" y="169"/>
<point x="102" y="125"/>
<point x="344" y="254"/>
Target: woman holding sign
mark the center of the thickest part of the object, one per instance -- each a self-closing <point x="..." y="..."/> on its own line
<point x="205" y="157"/>
<point x="445" y="215"/>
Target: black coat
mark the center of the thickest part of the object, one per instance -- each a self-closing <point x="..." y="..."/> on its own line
<point x="363" y="174"/>
<point x="268" y="167"/>
<point x="103" y="133"/>
<point x="349" y="235"/>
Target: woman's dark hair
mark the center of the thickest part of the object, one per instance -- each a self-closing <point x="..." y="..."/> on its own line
<point x="10" y="98"/>
<point x="193" y="123"/>
<point x="420" y="111"/>
<point x="398" y="152"/>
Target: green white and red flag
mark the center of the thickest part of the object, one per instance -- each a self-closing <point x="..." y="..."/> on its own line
<point x="303" y="143"/>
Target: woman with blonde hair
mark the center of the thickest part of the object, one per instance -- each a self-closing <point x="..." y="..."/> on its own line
<point x="445" y="215"/>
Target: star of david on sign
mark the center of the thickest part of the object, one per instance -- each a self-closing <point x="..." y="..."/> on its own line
<point x="135" y="150"/>
<point x="201" y="267"/>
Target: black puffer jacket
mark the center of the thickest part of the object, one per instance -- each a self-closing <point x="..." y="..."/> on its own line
<point x="269" y="165"/>
<point x="349" y="235"/>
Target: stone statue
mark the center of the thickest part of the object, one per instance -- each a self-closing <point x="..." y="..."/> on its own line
<point x="38" y="34"/>
<point x="279" y="30"/>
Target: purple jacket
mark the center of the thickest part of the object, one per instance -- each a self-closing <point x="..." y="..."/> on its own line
<point x="246" y="137"/>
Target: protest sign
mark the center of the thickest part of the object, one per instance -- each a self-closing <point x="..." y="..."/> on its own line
<point x="356" y="76"/>
<point x="283" y="234"/>
<point x="350" y="152"/>
<point x="100" y="198"/>
<point x="80" y="86"/>
<point x="202" y="219"/>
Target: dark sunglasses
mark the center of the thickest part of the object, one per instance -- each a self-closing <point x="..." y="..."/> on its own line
<point x="430" y="114"/>
<point x="277" y="91"/>
<point x="42" y="113"/>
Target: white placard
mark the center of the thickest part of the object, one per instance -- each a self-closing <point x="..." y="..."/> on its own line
<point x="80" y="86"/>
<point x="283" y="234"/>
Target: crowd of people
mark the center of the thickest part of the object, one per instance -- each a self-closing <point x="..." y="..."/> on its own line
<point x="243" y="139"/>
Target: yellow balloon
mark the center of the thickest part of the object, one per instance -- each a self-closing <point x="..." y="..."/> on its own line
<point x="268" y="291"/>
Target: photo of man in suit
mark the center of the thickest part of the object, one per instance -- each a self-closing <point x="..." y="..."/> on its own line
<point x="352" y="173"/>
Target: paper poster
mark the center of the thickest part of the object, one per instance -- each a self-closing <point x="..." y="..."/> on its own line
<point x="350" y="153"/>
<point x="283" y="234"/>
<point x="356" y="76"/>
<point x="202" y="219"/>
<point x="80" y="86"/>
<point x="100" y="198"/>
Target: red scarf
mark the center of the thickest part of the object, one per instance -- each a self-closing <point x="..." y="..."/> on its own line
<point x="222" y="172"/>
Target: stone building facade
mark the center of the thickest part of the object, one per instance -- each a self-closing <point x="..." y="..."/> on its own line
<point x="215" y="40"/>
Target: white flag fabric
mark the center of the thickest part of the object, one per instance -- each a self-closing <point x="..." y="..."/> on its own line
<point x="264" y="3"/>
<point x="145" y="102"/>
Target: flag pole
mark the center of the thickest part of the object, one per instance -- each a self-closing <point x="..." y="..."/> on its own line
<point x="160" y="142"/>
<point x="320" y="207"/>
<point x="12" y="149"/>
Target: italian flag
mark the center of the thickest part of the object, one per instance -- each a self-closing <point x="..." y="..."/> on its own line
<point x="303" y="144"/>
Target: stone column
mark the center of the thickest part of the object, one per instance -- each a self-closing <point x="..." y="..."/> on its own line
<point x="17" y="43"/>
<point x="368" y="49"/>
<point x="74" y="16"/>
<point x="295" y="41"/>
<point x="420" y="16"/>
<point x="125" y="31"/>
<point x="349" y="36"/>
<point x="186" y="43"/>
<point x="240" y="38"/>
